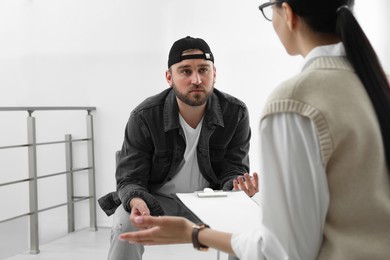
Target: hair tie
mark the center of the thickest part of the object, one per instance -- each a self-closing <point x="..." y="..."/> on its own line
<point x="341" y="7"/>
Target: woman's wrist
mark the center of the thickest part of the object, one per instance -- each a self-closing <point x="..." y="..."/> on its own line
<point x="196" y="229"/>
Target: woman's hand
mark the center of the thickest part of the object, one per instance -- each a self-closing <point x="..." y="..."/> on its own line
<point x="163" y="230"/>
<point x="248" y="184"/>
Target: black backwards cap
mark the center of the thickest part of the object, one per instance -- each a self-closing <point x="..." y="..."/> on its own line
<point x="188" y="43"/>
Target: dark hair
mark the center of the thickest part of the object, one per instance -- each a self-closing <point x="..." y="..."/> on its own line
<point x="336" y="17"/>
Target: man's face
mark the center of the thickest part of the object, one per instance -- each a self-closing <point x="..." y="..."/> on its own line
<point x="192" y="79"/>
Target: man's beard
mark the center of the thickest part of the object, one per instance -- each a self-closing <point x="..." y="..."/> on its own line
<point x="191" y="99"/>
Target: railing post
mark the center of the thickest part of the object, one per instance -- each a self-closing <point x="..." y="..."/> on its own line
<point x="69" y="181"/>
<point x="91" y="173"/>
<point x="33" y="185"/>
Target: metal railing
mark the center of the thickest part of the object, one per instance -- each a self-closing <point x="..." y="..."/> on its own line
<point x="70" y="170"/>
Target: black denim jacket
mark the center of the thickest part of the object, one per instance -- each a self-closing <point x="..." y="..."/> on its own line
<point x="154" y="146"/>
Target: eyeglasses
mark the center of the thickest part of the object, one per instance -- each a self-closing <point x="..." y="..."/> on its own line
<point x="268" y="12"/>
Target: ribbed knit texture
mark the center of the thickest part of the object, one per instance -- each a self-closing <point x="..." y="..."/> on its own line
<point x="329" y="93"/>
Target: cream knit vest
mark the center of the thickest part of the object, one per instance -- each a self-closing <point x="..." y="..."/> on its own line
<point x="329" y="93"/>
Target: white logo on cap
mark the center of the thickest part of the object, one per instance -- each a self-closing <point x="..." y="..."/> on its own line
<point x="208" y="56"/>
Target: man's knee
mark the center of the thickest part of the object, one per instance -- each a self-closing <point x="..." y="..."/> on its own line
<point x="120" y="250"/>
<point x="122" y="222"/>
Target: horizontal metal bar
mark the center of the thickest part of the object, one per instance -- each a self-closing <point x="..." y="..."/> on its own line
<point x="44" y="143"/>
<point x="81" y="140"/>
<point x="45" y="176"/>
<point x="51" y="175"/>
<point x="53" y="142"/>
<point x="60" y="173"/>
<point x="80" y="198"/>
<point x="52" y="207"/>
<point x="45" y="108"/>
<point x="14" y="146"/>
<point x="28" y="145"/>
<point x="13" y="218"/>
<point x="15" y="182"/>
<point x="75" y="200"/>
<point x="62" y="142"/>
<point x="82" y="169"/>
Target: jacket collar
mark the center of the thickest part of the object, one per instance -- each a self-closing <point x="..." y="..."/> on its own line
<point x="213" y="114"/>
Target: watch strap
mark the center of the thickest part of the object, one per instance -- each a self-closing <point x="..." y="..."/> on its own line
<point x="195" y="236"/>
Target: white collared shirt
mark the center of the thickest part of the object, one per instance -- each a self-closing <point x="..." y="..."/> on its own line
<point x="294" y="194"/>
<point x="325" y="50"/>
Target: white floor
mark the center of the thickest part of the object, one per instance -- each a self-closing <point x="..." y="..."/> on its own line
<point x="85" y="245"/>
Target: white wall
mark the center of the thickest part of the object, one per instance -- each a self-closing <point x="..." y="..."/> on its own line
<point x="112" y="54"/>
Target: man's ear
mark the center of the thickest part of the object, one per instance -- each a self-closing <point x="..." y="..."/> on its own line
<point x="168" y="77"/>
<point x="215" y="73"/>
<point x="289" y="16"/>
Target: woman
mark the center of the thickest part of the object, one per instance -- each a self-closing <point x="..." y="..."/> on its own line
<point x="325" y="149"/>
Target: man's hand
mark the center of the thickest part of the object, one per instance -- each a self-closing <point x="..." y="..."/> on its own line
<point x="248" y="184"/>
<point x="138" y="208"/>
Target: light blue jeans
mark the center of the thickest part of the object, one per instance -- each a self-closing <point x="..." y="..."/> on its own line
<point x="122" y="250"/>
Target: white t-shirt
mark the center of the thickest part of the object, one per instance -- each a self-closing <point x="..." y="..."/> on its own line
<point x="188" y="177"/>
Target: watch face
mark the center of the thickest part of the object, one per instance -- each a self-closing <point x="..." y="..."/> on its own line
<point x="201" y="226"/>
<point x="203" y="249"/>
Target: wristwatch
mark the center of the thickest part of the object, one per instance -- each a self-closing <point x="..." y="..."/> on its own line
<point x="195" y="239"/>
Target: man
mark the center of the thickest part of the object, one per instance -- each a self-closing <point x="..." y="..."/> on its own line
<point x="186" y="138"/>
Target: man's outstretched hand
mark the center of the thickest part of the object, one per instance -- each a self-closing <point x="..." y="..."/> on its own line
<point x="248" y="184"/>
